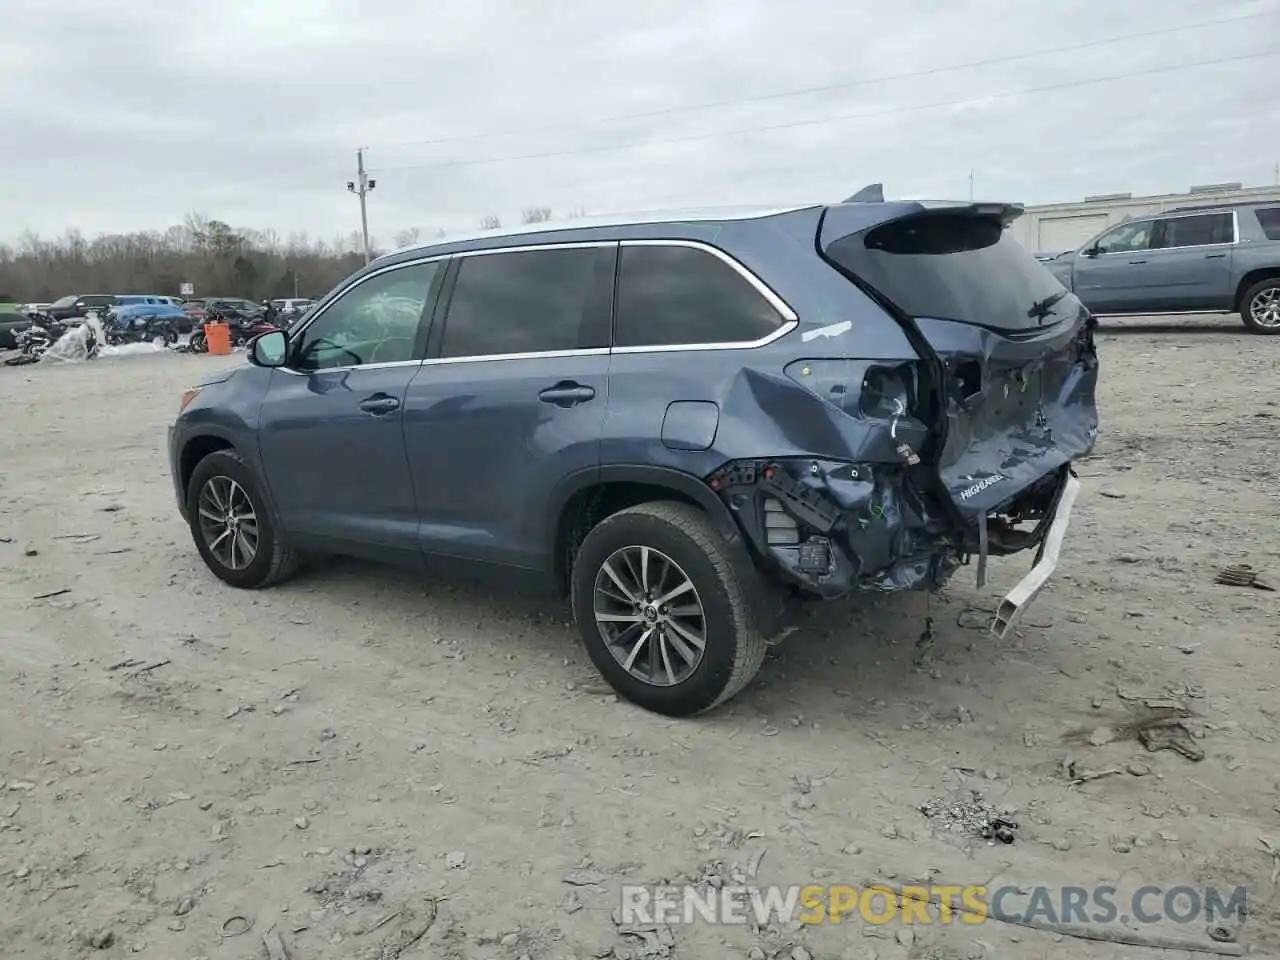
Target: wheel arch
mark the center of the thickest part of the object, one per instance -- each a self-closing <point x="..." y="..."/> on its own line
<point x="585" y="498"/>
<point x="1249" y="279"/>
<point x="195" y="448"/>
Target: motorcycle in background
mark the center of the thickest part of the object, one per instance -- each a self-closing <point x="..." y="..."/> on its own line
<point x="35" y="341"/>
<point x="136" y="329"/>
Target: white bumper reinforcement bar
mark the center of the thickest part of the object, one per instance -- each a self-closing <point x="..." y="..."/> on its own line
<point x="1020" y="597"/>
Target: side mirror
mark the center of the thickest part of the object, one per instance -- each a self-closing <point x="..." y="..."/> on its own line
<point x="269" y="349"/>
<point x="1092" y="251"/>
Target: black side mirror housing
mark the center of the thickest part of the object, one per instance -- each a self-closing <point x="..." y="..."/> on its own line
<point x="269" y="349"/>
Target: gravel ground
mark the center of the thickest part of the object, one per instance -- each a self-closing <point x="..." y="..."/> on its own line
<point x="360" y="745"/>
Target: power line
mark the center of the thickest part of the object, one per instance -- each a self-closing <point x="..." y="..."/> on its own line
<point x="845" y="85"/>
<point x="793" y="124"/>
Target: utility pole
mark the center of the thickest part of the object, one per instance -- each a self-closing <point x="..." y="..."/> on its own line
<point x="971" y="184"/>
<point x="361" y="186"/>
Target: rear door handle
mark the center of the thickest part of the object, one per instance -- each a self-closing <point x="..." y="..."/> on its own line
<point x="566" y="393"/>
<point x="379" y="404"/>
<point x="1214" y="256"/>
<point x="1137" y="261"/>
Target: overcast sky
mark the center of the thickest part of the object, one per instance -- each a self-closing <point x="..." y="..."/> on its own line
<point x="126" y="116"/>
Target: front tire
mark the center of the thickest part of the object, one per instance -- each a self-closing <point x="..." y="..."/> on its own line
<point x="232" y="526"/>
<point x="665" y="608"/>
<point x="1260" y="306"/>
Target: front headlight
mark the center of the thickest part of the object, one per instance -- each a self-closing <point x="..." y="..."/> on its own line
<point x="188" y="395"/>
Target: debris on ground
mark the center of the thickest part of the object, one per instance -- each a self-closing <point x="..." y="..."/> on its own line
<point x="970" y="816"/>
<point x="1151" y="715"/>
<point x="1175" y="737"/>
<point x="647" y="942"/>
<point x="1275" y="857"/>
<point x="413" y="927"/>
<point x="1241" y="575"/>
<point x="274" y="944"/>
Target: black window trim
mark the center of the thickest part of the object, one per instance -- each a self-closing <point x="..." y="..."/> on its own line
<point x="433" y="357"/>
<point x="429" y="306"/>
<point x="790" y="320"/>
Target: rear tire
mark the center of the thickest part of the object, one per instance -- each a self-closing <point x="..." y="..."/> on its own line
<point x="273" y="559"/>
<point x="1260" y="307"/>
<point x="683" y="543"/>
<point x="198" y="342"/>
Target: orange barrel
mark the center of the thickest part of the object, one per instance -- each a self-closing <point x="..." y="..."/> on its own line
<point x="218" y="337"/>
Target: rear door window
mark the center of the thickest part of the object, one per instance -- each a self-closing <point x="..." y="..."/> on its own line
<point x="1269" y="220"/>
<point x="1194" y="231"/>
<point x="529" y="301"/>
<point x="672" y="295"/>
<point x="956" y="266"/>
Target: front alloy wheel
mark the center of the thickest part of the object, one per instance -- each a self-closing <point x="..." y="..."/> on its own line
<point x="228" y="522"/>
<point x="650" y="616"/>
<point x="232" y="524"/>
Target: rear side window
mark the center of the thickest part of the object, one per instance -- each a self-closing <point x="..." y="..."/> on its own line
<point x="1194" y="231"/>
<point x="528" y="301"/>
<point x="670" y="295"/>
<point x="956" y="266"/>
<point x="1269" y="220"/>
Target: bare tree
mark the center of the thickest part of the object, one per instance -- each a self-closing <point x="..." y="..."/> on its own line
<point x="407" y="238"/>
<point x="491" y="222"/>
<point x="536" y="215"/>
<point x="218" y="258"/>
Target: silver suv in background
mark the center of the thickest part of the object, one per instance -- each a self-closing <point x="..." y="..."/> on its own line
<point x="1200" y="260"/>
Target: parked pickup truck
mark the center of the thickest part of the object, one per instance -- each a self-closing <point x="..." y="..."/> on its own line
<point x="1206" y="259"/>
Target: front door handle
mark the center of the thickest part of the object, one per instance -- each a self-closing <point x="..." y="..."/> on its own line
<point x="1137" y="261"/>
<point x="379" y="404"/>
<point x="566" y="393"/>
<point x="1214" y="256"/>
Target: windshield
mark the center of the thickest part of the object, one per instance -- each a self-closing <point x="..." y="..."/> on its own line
<point x="64" y="301"/>
<point x="961" y="266"/>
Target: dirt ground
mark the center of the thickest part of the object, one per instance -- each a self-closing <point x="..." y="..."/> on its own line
<point x="361" y="755"/>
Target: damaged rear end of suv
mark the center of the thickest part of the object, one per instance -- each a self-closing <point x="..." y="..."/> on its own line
<point x="927" y="415"/>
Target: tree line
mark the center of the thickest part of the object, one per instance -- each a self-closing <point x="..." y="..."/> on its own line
<point x="216" y="258"/>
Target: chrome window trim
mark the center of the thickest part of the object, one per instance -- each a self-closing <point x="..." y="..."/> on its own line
<point x="533" y="355"/>
<point x="363" y="366"/>
<point x="789" y="317"/>
<point x="1156" y="218"/>
<point x="533" y="247"/>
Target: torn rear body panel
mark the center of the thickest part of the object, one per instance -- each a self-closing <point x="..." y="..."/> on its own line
<point x="888" y="474"/>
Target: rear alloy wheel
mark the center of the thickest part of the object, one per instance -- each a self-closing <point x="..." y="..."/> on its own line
<point x="1260" y="306"/>
<point x="230" y="523"/>
<point x="664" y="607"/>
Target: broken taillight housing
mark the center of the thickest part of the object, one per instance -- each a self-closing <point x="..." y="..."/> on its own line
<point x="860" y="388"/>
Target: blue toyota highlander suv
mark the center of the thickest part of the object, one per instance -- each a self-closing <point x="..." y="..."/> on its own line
<point x="685" y="423"/>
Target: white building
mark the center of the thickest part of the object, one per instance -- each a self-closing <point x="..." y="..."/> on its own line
<point x="1056" y="227"/>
